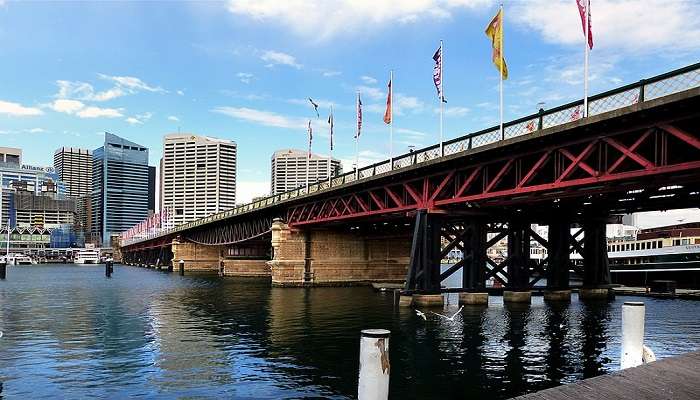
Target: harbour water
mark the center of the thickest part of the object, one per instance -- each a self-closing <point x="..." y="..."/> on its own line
<point x="69" y="332"/>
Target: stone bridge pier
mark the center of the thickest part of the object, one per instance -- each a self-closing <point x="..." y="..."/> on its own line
<point x="338" y="255"/>
<point x="248" y="259"/>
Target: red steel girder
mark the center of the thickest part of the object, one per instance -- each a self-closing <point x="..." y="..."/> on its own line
<point x="592" y="161"/>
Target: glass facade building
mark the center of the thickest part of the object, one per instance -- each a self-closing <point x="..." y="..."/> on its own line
<point x="120" y="187"/>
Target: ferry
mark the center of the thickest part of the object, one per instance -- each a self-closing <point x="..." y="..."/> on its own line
<point x="87" y="256"/>
<point x="17" y="259"/>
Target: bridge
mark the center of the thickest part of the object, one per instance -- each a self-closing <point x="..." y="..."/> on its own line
<point x="637" y="150"/>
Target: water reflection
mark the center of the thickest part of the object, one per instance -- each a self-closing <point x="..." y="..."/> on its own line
<point x="69" y="332"/>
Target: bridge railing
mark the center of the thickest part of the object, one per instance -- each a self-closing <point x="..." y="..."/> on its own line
<point x="647" y="89"/>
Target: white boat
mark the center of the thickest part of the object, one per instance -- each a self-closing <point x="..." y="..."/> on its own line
<point x="87" y="256"/>
<point x="17" y="259"/>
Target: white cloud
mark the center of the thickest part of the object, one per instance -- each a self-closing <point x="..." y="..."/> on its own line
<point x="173" y="118"/>
<point x="371" y="92"/>
<point x="246" y="190"/>
<point x="36" y="130"/>
<point x="67" y="106"/>
<point x="97" y="112"/>
<point x="180" y="92"/>
<point x="331" y="74"/>
<point x="624" y="25"/>
<point x="412" y="133"/>
<point x="368" y="80"/>
<point x="23" y="131"/>
<point x="18" y="110"/>
<point x="366" y="157"/>
<point x="245" y="77"/>
<point x="323" y="19"/>
<point x="131" y="83"/>
<point x="262" y="117"/>
<point x="455" y="111"/>
<point x="139" y="119"/>
<point x="278" y="58"/>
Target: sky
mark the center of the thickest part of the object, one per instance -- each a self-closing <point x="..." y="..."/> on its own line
<point x="244" y="70"/>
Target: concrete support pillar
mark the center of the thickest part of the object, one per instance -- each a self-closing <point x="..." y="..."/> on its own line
<point x="428" y="300"/>
<point x="198" y="258"/>
<point x="511" y="296"/>
<point x="469" y="298"/>
<point x="518" y="256"/>
<point x="474" y="271"/>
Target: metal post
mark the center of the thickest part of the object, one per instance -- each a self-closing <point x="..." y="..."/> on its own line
<point x="182" y="267"/>
<point x="632" y="334"/>
<point x="374" y="365"/>
<point x="108" y="269"/>
<point x="3" y="270"/>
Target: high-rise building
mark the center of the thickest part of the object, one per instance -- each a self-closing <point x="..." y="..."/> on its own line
<point x="198" y="176"/>
<point x="151" y="189"/>
<point x="74" y="167"/>
<point x="119" y="187"/>
<point x="289" y="168"/>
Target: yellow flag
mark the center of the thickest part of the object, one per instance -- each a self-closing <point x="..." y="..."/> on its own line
<point x="495" y="32"/>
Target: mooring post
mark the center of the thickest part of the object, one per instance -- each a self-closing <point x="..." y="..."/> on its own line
<point x="3" y="270"/>
<point x="108" y="268"/>
<point x="221" y="268"/>
<point x="374" y="365"/>
<point x="632" y="334"/>
<point x="182" y="267"/>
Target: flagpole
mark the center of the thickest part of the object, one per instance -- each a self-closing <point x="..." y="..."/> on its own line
<point x="357" y="138"/>
<point x="442" y="98"/>
<point x="500" y="85"/>
<point x="585" y="60"/>
<point x="391" y="121"/>
<point x="330" y="154"/>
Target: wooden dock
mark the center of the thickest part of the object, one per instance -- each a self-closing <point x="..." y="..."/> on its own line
<point x="675" y="378"/>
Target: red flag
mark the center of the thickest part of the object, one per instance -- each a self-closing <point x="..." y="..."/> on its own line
<point x="582" y="6"/>
<point x="388" y="113"/>
<point x="311" y="137"/>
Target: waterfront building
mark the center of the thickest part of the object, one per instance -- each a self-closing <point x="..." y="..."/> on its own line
<point x="10" y="155"/>
<point x="28" y="179"/>
<point x="198" y="176"/>
<point x="119" y="187"/>
<point x="289" y="169"/>
<point x="74" y="168"/>
<point x="151" y="189"/>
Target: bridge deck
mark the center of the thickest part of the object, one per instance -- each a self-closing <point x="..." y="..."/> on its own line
<point x="671" y="378"/>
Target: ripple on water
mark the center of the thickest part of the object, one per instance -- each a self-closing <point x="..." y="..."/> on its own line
<point x="72" y="333"/>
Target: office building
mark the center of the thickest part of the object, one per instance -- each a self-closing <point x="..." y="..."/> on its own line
<point x="198" y="176"/>
<point x="10" y="155"/>
<point x="119" y="187"/>
<point x="151" y="189"/>
<point x="289" y="168"/>
<point x="16" y="177"/>
<point x="74" y="168"/>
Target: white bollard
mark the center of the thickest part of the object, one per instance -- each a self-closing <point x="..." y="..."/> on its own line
<point x="374" y="365"/>
<point x="632" y="334"/>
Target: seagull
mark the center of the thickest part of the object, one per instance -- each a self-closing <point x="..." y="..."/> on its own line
<point x="421" y="314"/>
<point x="452" y="318"/>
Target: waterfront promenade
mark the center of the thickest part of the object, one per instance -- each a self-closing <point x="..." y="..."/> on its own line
<point x="672" y="378"/>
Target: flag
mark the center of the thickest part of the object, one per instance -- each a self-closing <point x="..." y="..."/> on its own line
<point x="576" y="114"/>
<point x="330" y="122"/>
<point x="582" y="6"/>
<point x="437" y="73"/>
<point x="495" y="32"/>
<point x="388" y="112"/>
<point x="315" y="107"/>
<point x="311" y="137"/>
<point x="359" y="116"/>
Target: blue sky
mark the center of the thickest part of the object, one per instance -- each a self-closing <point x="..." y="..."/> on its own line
<point x="242" y="70"/>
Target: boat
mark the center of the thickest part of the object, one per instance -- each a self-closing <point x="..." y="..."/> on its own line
<point x="17" y="259"/>
<point x="87" y="256"/>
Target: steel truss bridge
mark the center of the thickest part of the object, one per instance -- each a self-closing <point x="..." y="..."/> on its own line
<point x="638" y="149"/>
